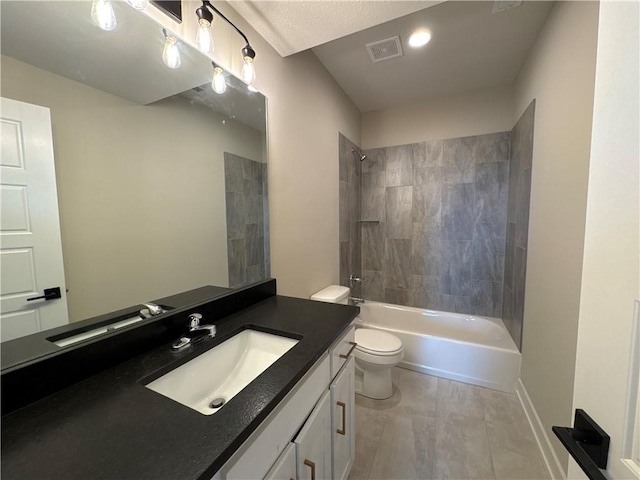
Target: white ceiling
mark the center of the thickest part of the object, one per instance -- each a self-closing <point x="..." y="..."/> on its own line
<point x="471" y="47"/>
<point x="291" y="26"/>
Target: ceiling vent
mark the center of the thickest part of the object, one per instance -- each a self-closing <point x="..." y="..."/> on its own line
<point x="385" y="49"/>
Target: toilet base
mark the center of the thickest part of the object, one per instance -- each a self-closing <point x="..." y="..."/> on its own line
<point x="376" y="384"/>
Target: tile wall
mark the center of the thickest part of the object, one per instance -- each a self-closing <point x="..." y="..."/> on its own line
<point x="518" y="223"/>
<point x="247" y="220"/>
<point x="435" y="228"/>
<point x="350" y="208"/>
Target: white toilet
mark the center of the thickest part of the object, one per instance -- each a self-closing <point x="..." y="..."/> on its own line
<point x="376" y="353"/>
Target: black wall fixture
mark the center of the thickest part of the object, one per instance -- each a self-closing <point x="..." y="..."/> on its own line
<point x="587" y="443"/>
<point x="173" y="8"/>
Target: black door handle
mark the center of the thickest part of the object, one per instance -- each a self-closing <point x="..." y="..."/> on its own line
<point x="49" y="294"/>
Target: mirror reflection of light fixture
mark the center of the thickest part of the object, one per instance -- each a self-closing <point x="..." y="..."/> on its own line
<point x="102" y="14"/>
<point x="171" y="52"/>
<point x="218" y="83"/>
<point x="203" y="37"/>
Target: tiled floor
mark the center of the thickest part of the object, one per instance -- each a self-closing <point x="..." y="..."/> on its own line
<point x="432" y="428"/>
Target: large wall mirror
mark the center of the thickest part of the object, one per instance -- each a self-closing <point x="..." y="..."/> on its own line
<point x="161" y="182"/>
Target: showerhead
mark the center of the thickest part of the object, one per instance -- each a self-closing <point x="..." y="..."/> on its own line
<point x="359" y="155"/>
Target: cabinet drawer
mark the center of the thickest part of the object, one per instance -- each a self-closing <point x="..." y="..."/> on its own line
<point x="341" y="350"/>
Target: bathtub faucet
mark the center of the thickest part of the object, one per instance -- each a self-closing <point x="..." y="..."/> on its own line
<point x="356" y="300"/>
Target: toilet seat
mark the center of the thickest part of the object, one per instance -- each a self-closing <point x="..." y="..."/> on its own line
<point x="377" y="342"/>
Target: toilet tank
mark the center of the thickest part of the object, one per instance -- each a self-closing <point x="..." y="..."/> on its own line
<point x="333" y="294"/>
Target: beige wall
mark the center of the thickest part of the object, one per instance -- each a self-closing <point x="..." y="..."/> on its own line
<point x="473" y="113"/>
<point x="140" y="218"/>
<point x="559" y="74"/>
<point x="611" y="274"/>
<point x="306" y="111"/>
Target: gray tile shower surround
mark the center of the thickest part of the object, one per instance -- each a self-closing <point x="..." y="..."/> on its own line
<point x="441" y="211"/>
<point x="247" y="220"/>
<point x="350" y="205"/>
<point x="518" y="223"/>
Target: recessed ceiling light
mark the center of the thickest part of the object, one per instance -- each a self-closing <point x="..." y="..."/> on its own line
<point x="419" y="38"/>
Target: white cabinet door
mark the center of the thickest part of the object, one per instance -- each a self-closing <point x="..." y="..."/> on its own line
<point x="342" y="421"/>
<point x="313" y="443"/>
<point x="30" y="244"/>
<point x="285" y="466"/>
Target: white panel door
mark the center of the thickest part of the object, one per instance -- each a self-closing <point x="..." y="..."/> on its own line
<point x="30" y="245"/>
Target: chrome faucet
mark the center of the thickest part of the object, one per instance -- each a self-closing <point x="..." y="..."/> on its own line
<point x="195" y="333"/>
<point x="151" y="310"/>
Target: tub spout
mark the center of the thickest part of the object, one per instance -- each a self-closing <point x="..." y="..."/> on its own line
<point x="356" y="300"/>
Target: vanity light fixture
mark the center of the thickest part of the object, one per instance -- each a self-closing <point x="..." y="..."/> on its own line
<point x="218" y="83"/>
<point x="205" y="43"/>
<point x="419" y="38"/>
<point x="204" y="40"/>
<point x="171" y="52"/>
<point x="102" y="14"/>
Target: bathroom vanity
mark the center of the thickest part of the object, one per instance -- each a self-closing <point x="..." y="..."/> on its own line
<point x="295" y="420"/>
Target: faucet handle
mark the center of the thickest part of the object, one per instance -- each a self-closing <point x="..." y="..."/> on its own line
<point x="194" y="320"/>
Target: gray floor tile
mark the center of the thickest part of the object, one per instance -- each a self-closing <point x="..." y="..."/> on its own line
<point x="433" y="428"/>
<point x="460" y="398"/>
<point x="509" y="465"/>
<point x="462" y="449"/>
<point x="406" y="450"/>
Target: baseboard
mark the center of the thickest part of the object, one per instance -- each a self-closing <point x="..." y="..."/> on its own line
<point x="556" y="472"/>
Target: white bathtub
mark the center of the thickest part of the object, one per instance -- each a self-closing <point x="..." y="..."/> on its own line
<point x="465" y="348"/>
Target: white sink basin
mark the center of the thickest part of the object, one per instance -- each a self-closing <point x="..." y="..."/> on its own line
<point x="223" y="371"/>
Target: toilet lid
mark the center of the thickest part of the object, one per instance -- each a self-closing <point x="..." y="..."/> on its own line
<point x="377" y="341"/>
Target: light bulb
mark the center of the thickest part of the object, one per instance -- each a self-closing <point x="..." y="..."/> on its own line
<point x="203" y="37"/>
<point x="248" y="71"/>
<point x="138" y="4"/>
<point x="218" y="83"/>
<point x="419" y="38"/>
<point x="102" y="14"/>
<point x="171" y="53"/>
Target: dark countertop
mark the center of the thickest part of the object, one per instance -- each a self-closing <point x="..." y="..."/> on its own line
<point x="110" y="426"/>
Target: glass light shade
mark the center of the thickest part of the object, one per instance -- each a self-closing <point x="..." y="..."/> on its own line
<point x="248" y="73"/>
<point x="138" y="4"/>
<point x="203" y="37"/>
<point x="102" y="14"/>
<point x="218" y="83"/>
<point x="419" y="38"/>
<point x="171" y="53"/>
